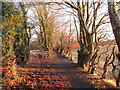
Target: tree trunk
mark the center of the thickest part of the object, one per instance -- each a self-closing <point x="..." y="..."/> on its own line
<point x="83" y="58"/>
<point x="115" y="22"/>
<point x="118" y="80"/>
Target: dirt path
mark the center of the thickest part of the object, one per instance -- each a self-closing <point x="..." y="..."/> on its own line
<point x="57" y="72"/>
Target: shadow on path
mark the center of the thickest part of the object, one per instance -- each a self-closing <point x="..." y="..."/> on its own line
<point x="57" y="72"/>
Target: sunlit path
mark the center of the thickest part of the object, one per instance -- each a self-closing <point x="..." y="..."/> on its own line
<point x="58" y="72"/>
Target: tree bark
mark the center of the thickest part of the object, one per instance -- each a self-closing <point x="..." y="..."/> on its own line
<point x="115" y="22"/>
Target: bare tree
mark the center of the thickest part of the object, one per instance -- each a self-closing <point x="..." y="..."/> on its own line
<point x="46" y="25"/>
<point x="87" y="14"/>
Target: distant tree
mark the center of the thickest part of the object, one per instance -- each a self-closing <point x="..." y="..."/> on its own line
<point x="46" y="25"/>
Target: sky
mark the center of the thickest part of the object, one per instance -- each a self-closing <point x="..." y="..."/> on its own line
<point x="67" y="17"/>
